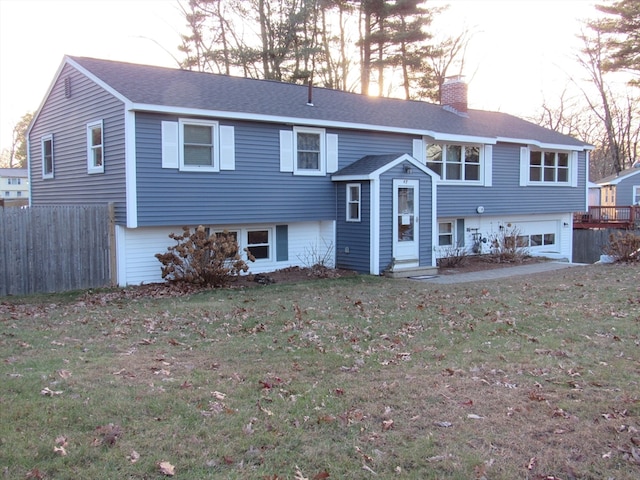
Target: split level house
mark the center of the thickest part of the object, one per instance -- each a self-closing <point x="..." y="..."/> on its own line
<point x="297" y="173"/>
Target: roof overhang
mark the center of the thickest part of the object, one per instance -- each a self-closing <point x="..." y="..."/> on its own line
<point x="374" y="174"/>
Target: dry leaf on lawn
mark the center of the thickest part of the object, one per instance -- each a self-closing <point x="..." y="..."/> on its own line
<point x="47" y="392"/>
<point x="60" y="451"/>
<point x="167" y="469"/>
<point x="133" y="457"/>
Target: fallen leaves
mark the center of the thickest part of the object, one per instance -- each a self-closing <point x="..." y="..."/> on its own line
<point x="47" y="392"/>
<point x="107" y="435"/>
<point x="167" y="469"/>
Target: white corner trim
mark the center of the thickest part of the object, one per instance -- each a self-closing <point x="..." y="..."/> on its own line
<point x="131" y="180"/>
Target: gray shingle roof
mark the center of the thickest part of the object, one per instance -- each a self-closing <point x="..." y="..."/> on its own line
<point x="367" y="164"/>
<point x="158" y="86"/>
<point x="617" y="177"/>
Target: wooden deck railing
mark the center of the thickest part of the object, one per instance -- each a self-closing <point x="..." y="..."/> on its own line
<point x="608" y="217"/>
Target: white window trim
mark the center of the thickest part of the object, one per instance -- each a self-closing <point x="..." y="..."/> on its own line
<point x="483" y="153"/>
<point x="270" y="243"/>
<point x="525" y="168"/>
<point x="215" y="167"/>
<point x="352" y="201"/>
<point x="91" y="167"/>
<point x="322" y="161"/>
<point x="453" y="233"/>
<point x="635" y="194"/>
<point x="48" y="138"/>
<point x="242" y="235"/>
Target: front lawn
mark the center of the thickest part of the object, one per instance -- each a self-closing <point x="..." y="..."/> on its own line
<point x="359" y="378"/>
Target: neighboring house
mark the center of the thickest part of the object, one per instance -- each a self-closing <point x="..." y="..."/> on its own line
<point x="14" y="185"/>
<point x="621" y="189"/>
<point x="594" y="194"/>
<point x="299" y="173"/>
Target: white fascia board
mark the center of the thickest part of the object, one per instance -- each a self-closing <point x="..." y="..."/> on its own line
<point x="546" y="146"/>
<point x="99" y="82"/>
<point x="454" y="138"/>
<point x="311" y="122"/>
<point x="130" y="168"/>
<point x="617" y="180"/>
<point x="403" y="158"/>
<point x="46" y="95"/>
<point x="350" y="178"/>
<point x="376" y="173"/>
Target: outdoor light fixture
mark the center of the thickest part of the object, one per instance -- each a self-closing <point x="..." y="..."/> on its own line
<point x="480" y="209"/>
<point x="408" y="169"/>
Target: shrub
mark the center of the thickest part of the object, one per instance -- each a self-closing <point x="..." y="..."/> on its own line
<point x="508" y="246"/>
<point x="202" y="258"/>
<point x="623" y="247"/>
<point x="454" y="256"/>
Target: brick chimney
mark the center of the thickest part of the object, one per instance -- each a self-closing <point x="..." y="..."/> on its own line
<point x="453" y="95"/>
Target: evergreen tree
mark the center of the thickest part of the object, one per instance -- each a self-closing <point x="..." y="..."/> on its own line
<point x="622" y="35"/>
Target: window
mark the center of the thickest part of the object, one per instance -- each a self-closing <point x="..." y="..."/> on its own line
<point x="258" y="244"/>
<point x="445" y="234"/>
<point x="309" y="150"/>
<point x="95" y="148"/>
<point x="548" y="167"/>
<point x="636" y="195"/>
<point x="198" y="139"/>
<point x="18" y="194"/>
<point x="47" y="156"/>
<point x="353" y="202"/>
<point x="537" y="240"/>
<point x="14" y="181"/>
<point x="455" y="162"/>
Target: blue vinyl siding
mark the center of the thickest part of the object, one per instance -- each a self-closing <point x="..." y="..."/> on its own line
<point x="353" y="235"/>
<point x="353" y="145"/>
<point x="66" y="119"/>
<point x="506" y="196"/>
<point x="255" y="192"/>
<point x="624" y="190"/>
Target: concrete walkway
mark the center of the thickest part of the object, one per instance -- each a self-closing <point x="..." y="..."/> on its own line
<point x="497" y="273"/>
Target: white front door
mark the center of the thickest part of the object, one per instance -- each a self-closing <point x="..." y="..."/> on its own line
<point x="406" y="244"/>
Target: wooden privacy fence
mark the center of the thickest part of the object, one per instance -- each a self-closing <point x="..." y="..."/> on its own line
<point x="55" y="248"/>
<point x="588" y="244"/>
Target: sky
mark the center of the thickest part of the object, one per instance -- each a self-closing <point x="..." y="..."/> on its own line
<point x="521" y="54"/>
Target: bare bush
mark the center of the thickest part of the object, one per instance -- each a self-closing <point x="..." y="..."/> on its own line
<point x="623" y="247"/>
<point x="454" y="256"/>
<point x="508" y="246"/>
<point x="203" y="259"/>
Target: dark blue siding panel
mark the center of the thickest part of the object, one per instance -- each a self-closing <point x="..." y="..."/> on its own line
<point x="506" y="196"/>
<point x="255" y="192"/>
<point x="66" y="119"/>
<point x="353" y="245"/>
<point x="282" y="243"/>
<point x="624" y="190"/>
<point x="353" y="145"/>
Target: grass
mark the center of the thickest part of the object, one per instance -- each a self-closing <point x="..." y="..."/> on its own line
<point x="348" y="378"/>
